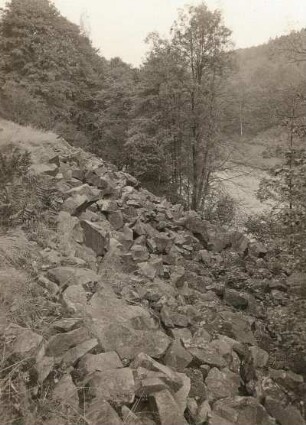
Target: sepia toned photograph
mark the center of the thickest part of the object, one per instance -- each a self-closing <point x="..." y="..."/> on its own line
<point x="152" y="212"/>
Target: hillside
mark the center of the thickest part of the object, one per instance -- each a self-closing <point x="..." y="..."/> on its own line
<point x="118" y="307"/>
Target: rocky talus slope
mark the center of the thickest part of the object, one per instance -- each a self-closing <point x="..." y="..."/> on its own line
<point x="162" y="318"/>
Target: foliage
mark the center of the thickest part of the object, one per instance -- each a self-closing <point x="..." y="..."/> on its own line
<point x="174" y="131"/>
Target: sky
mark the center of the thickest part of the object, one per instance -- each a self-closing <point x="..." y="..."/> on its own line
<point x="119" y="27"/>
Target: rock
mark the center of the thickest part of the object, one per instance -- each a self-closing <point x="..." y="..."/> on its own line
<point x="60" y="343"/>
<point x="100" y="412"/>
<point x="100" y="362"/>
<point x="198" y="389"/>
<point x="151" y="269"/>
<point x="47" y="169"/>
<point x="288" y="415"/>
<point x="146" y="362"/>
<point x="66" y="325"/>
<point x="297" y="284"/>
<point x="288" y="379"/>
<point x="140" y="253"/>
<point x="126" y="329"/>
<point x="96" y="237"/>
<point x="239" y="242"/>
<point x="115" y="385"/>
<point x="77" y="203"/>
<point x="163" y="243"/>
<point x="203" y="412"/>
<point x="21" y="341"/>
<point x="66" y="393"/>
<point x="177" y="356"/>
<point x="65" y="276"/>
<point x="217" y="420"/>
<point x="151" y="385"/>
<point x="208" y="355"/>
<point x="73" y="355"/>
<point x="257" y="249"/>
<point x="116" y="219"/>
<point x="222" y="383"/>
<point x="242" y="411"/>
<point x="197" y="226"/>
<point x="168" y="409"/>
<point x="177" y="277"/>
<point x="235" y="298"/>
<point x="129" y="418"/>
<point x="107" y="205"/>
<point x="260" y="357"/>
<point x="237" y="327"/>
<point x="75" y="299"/>
<point x="181" y="396"/>
<point x="183" y="335"/>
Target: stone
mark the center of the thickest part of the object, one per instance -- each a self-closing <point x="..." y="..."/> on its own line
<point x="129" y="417"/>
<point x="259" y="357"/>
<point x="237" y="326"/>
<point x="239" y="242"/>
<point x="73" y="355"/>
<point x="203" y="413"/>
<point x="47" y="169"/>
<point x="65" y="276"/>
<point x="66" y="324"/>
<point x="242" y="411"/>
<point x="181" y="396"/>
<point x="100" y="362"/>
<point x="75" y="299"/>
<point x="288" y="415"/>
<point x="208" y="355"/>
<point x="60" y="343"/>
<point x="100" y="412"/>
<point x="116" y="219"/>
<point x="297" y="284"/>
<point x="163" y="243"/>
<point x="151" y="385"/>
<point x="148" y="363"/>
<point x="66" y="393"/>
<point x="288" y="379"/>
<point x="76" y="204"/>
<point x="126" y="329"/>
<point x="197" y="226"/>
<point x="107" y="205"/>
<point x="177" y="356"/>
<point x="140" y="253"/>
<point x="168" y="409"/>
<point x="177" y="277"/>
<point x="115" y="385"/>
<point x="222" y="383"/>
<point x="96" y="237"/>
<point x="217" y="420"/>
<point x="21" y="341"/>
<point x="257" y="249"/>
<point x="235" y="298"/>
<point x="183" y="334"/>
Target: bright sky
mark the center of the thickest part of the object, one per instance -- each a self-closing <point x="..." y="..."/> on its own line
<point x="119" y="27"/>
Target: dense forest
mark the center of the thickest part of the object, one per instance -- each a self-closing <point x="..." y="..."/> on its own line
<point x="171" y="122"/>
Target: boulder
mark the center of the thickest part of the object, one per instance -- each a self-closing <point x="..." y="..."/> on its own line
<point x="66" y="393"/>
<point x="72" y="356"/>
<point x="288" y="415"/>
<point x="126" y="329"/>
<point x="65" y="276"/>
<point x="177" y="356"/>
<point x="168" y="409"/>
<point x="100" y="362"/>
<point x="75" y="299"/>
<point x="235" y="298"/>
<point x="242" y="411"/>
<point x="100" y="412"/>
<point x="222" y="383"/>
<point x="115" y="385"/>
<point x="22" y="342"/>
<point x="60" y="343"/>
<point x="96" y="236"/>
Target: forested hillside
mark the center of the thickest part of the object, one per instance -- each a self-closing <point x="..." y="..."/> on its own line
<point x="185" y="121"/>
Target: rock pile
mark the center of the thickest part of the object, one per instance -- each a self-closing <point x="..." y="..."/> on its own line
<point x="155" y="331"/>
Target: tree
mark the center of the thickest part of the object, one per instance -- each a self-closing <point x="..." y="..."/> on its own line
<point x="178" y="101"/>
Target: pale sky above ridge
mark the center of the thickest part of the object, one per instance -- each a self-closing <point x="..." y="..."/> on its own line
<point x="119" y="27"/>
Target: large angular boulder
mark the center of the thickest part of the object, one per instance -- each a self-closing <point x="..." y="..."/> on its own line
<point x="222" y="383"/>
<point x="168" y="410"/>
<point x="96" y="236"/>
<point x="126" y="329"/>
